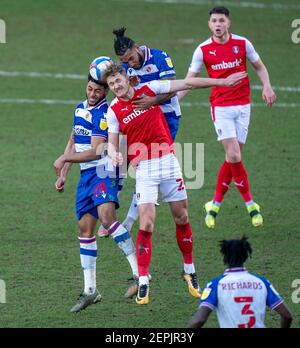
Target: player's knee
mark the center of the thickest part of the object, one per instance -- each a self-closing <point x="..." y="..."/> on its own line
<point x="85" y="232"/>
<point x="147" y="225"/>
<point x="108" y="217"/>
<point x="233" y="157"/>
<point x="181" y="219"/>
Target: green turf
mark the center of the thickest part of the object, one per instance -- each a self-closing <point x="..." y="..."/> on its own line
<point x="39" y="259"/>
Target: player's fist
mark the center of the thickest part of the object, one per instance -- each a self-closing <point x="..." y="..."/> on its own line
<point x="58" y="164"/>
<point x="117" y="159"/>
<point x="268" y="95"/>
<point x="60" y="184"/>
<point x="134" y="80"/>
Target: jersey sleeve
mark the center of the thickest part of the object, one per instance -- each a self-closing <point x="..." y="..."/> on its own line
<point x="165" y="65"/>
<point x="251" y="54"/>
<point x="273" y="298"/>
<point x="197" y="61"/>
<point x="99" y="124"/>
<point x="112" y="121"/>
<point x="160" y="86"/>
<point x="209" y="297"/>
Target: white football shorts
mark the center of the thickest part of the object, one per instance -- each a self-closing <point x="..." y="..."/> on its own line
<point x="231" y="121"/>
<point x="163" y="174"/>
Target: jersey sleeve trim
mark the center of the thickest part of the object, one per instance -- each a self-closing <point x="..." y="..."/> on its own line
<point x="207" y="304"/>
<point x="167" y="73"/>
<point x="276" y="304"/>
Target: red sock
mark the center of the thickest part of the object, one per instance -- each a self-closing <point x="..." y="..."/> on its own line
<point x="143" y="251"/>
<point x="223" y="182"/>
<point x="240" y="178"/>
<point x="185" y="242"/>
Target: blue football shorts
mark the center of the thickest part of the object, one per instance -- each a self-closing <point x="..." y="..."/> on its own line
<point x="173" y="123"/>
<point x="93" y="191"/>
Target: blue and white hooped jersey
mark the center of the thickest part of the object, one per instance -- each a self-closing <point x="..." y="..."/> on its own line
<point x="88" y="122"/>
<point x="157" y="65"/>
<point x="240" y="298"/>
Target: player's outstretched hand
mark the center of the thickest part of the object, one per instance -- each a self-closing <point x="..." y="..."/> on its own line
<point x="117" y="159"/>
<point x="234" y="79"/>
<point x="268" y="95"/>
<point x="60" y="184"/>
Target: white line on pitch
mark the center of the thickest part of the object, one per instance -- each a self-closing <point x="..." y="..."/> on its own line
<point x="35" y="74"/>
<point x="243" y="4"/>
<point x="76" y="102"/>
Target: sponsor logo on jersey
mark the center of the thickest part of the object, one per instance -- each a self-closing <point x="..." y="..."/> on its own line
<point x="169" y="62"/>
<point x="79" y="130"/>
<point x="134" y="114"/>
<point x="227" y="65"/>
<point x="205" y="293"/>
<point x="131" y="72"/>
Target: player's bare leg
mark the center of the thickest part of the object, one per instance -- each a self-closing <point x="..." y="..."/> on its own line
<point x="123" y="239"/>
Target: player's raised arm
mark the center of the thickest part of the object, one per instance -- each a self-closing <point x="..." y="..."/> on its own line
<point x="181" y="94"/>
<point x="145" y="102"/>
<point x="200" y="82"/>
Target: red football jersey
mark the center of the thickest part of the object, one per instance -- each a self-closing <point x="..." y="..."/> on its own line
<point x="147" y="131"/>
<point x="222" y="60"/>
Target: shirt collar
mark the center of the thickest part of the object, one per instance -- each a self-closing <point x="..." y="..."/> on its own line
<point x="235" y="270"/>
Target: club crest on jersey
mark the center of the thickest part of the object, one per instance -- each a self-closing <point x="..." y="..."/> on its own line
<point x="235" y="49"/>
<point x="87" y="115"/>
<point x="169" y="62"/>
<point x="148" y="69"/>
<point x="103" y="124"/>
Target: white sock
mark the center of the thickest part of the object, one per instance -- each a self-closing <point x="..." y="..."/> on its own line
<point x="128" y="223"/>
<point x="189" y="268"/>
<point x="143" y="280"/>
<point x="88" y="257"/>
<point x="132" y="214"/>
<point x="133" y="264"/>
<point x="89" y="280"/>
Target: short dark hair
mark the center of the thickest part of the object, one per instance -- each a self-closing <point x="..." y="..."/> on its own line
<point x="235" y="251"/>
<point x="114" y="69"/>
<point x="122" y="43"/>
<point x="102" y="84"/>
<point x="220" y="10"/>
